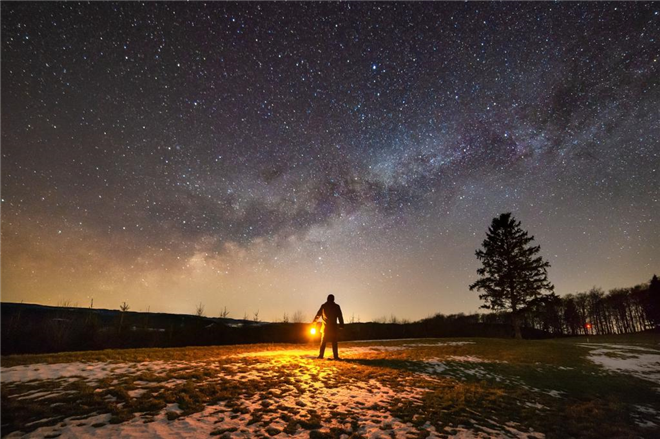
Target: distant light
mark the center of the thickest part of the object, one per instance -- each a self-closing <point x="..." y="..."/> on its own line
<point x="312" y="331"/>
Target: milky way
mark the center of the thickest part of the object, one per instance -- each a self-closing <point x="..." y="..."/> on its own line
<point x="259" y="156"/>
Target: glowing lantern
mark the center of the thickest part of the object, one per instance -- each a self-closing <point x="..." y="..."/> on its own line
<point x="312" y="331"/>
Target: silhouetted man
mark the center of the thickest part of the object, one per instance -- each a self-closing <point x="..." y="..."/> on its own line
<point x="330" y="312"/>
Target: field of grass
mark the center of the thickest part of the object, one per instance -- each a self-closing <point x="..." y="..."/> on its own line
<point x="468" y="388"/>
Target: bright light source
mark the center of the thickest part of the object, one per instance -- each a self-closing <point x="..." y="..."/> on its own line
<point x="312" y="331"/>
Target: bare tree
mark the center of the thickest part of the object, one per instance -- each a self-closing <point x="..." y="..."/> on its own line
<point x="255" y="316"/>
<point x="224" y="313"/>
<point x="64" y="303"/>
<point x="245" y="316"/>
<point x="90" y="313"/>
<point x="124" y="308"/>
<point x="298" y="317"/>
<point x="285" y="318"/>
<point x="393" y="319"/>
<point x="199" y="310"/>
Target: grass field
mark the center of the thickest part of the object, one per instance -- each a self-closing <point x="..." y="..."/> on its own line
<point x="467" y="388"/>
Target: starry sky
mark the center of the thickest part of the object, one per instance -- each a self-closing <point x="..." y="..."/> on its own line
<point x="258" y="156"/>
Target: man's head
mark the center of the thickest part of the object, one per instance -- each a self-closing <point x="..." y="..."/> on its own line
<point x="331" y="297"/>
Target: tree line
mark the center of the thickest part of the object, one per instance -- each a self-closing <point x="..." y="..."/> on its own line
<point x="619" y="311"/>
<point x="513" y="281"/>
<point x="593" y="312"/>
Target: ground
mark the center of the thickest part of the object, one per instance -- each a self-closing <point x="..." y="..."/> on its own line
<point x="463" y="388"/>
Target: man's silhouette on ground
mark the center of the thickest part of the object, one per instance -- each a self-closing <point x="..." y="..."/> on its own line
<point x="330" y="312"/>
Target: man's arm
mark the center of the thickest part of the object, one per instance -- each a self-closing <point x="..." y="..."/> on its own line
<point x="341" y="317"/>
<point x="318" y="314"/>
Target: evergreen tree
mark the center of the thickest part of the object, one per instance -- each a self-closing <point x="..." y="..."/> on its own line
<point x="512" y="275"/>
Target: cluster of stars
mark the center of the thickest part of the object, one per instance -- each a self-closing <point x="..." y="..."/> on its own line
<point x="247" y="153"/>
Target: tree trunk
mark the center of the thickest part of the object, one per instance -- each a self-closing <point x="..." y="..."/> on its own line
<point x="515" y="319"/>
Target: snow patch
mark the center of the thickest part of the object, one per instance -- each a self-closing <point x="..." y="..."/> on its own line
<point x="79" y="370"/>
<point x="626" y="359"/>
<point x="471" y="359"/>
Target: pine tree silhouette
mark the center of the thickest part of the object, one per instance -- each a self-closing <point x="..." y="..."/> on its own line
<point x="512" y="275"/>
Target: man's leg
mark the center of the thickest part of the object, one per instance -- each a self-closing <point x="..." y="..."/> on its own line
<point x="335" y="350"/>
<point x="322" y="349"/>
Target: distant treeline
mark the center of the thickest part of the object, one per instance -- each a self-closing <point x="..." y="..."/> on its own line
<point x="30" y="328"/>
<point x="594" y="312"/>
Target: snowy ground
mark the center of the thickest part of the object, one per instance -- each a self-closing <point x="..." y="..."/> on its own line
<point x="409" y="388"/>
<point x="642" y="362"/>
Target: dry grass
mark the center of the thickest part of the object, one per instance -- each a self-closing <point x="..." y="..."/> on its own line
<point x="483" y="386"/>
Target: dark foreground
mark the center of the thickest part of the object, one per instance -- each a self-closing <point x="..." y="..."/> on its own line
<point x="407" y="388"/>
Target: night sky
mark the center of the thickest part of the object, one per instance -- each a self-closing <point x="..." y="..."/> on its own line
<point x="260" y="156"/>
